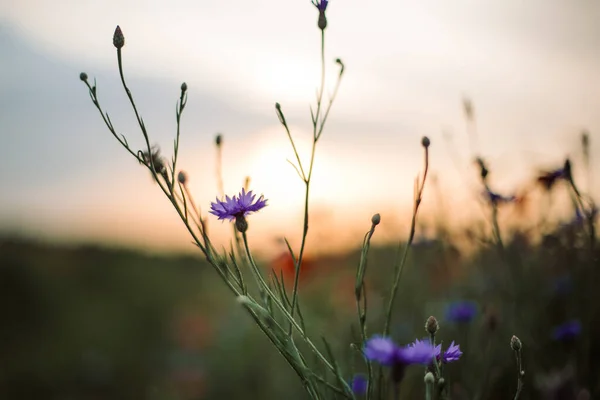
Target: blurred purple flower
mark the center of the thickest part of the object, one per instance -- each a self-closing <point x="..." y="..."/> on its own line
<point x="359" y="384"/>
<point x="386" y="352"/>
<point x="563" y="285"/>
<point x="567" y="331"/>
<point x="461" y="311"/>
<point x="549" y="178"/>
<point x="237" y="206"/>
<point x="321" y="4"/>
<point x="496" y="198"/>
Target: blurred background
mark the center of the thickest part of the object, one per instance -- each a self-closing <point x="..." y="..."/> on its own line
<point x="102" y="294"/>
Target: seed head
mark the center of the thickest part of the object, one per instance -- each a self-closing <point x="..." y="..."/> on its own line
<point x="118" y="38"/>
<point x="515" y="343"/>
<point x="83" y="76"/>
<point x="432" y="325"/>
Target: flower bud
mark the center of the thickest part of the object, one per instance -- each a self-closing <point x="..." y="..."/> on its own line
<point x="432" y="325"/>
<point x="118" y="38"/>
<point x="182" y="177"/>
<point x="376" y="219"/>
<point x="83" y="76"/>
<point x="184" y="87"/>
<point x="515" y="343"/>
<point x="425" y="142"/>
<point x="218" y="139"/>
<point x="429" y="379"/>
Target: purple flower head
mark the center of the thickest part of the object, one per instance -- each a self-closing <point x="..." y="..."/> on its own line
<point x="567" y="331"/>
<point x="237" y="206"/>
<point x="461" y="311"/>
<point x="380" y="349"/>
<point x="418" y="352"/>
<point x="496" y="198"/>
<point x="452" y="353"/>
<point x="549" y="178"/>
<point x="321" y="4"/>
<point x="386" y="352"/>
<point x="359" y="384"/>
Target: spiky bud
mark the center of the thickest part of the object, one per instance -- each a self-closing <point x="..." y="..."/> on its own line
<point x="425" y="142"/>
<point x="376" y="219"/>
<point x="83" y="76"/>
<point x="118" y="38"/>
<point x="432" y="325"/>
<point x="515" y="343"/>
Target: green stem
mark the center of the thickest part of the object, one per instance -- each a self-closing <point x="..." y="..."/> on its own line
<point x="285" y="312"/>
<point x="308" y="179"/>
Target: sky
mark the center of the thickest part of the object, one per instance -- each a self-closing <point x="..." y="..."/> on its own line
<point x="530" y="69"/>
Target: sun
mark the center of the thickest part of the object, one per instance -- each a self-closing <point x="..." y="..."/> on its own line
<point x="274" y="175"/>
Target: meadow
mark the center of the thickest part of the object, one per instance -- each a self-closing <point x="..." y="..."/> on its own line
<point x="97" y="323"/>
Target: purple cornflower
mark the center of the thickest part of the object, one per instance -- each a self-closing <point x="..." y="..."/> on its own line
<point x="567" y="331"/>
<point x="461" y="311"/>
<point x="386" y="352"/>
<point x="237" y="206"/>
<point x="359" y="384"/>
<point x="451" y="354"/>
<point x="320" y="4"/>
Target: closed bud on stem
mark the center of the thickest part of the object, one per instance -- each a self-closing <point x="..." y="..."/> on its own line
<point x="184" y="87"/>
<point x="182" y="177"/>
<point x="83" y="76"/>
<point x="432" y="325"/>
<point x="425" y="142"/>
<point x="218" y="139"/>
<point x="118" y="38"/>
<point x="515" y="343"/>
<point x="376" y="219"/>
<point x="429" y="379"/>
